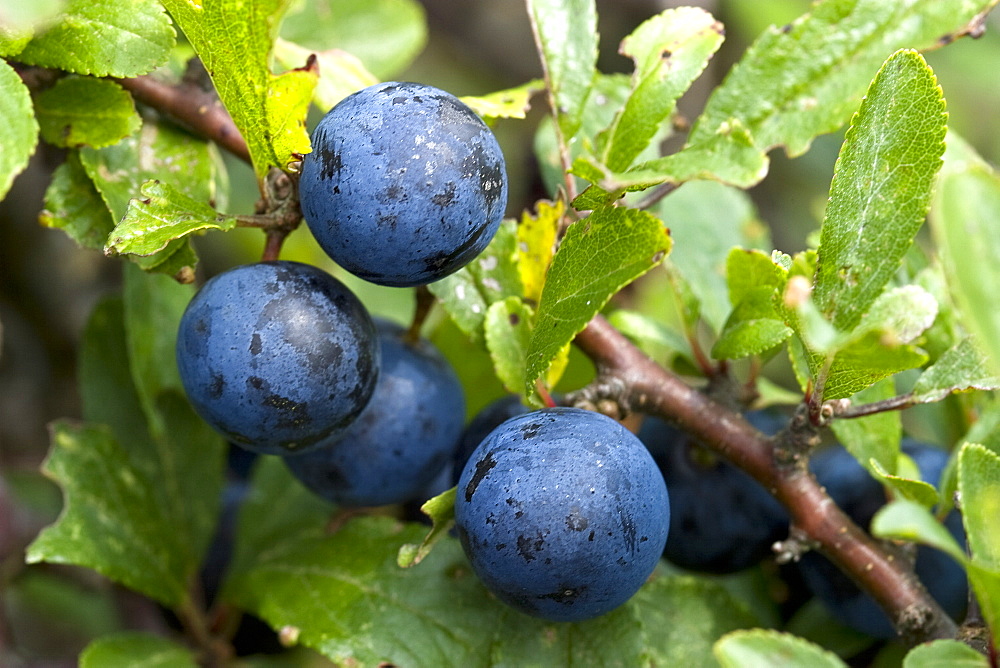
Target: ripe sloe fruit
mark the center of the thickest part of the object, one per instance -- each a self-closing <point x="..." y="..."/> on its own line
<point x="859" y="495"/>
<point x="404" y="185"/>
<point x="404" y="437"/>
<point x="277" y="356"/>
<point x="721" y="519"/>
<point x="562" y="513"/>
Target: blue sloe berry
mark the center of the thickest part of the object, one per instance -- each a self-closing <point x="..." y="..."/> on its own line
<point x="562" y="513"/>
<point x="404" y="185"/>
<point x="277" y="356"/>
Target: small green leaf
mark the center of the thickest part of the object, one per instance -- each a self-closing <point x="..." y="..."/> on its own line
<point x="753" y="327"/>
<point x="881" y="187"/>
<point x="112" y="521"/>
<point x="441" y="511"/>
<point x="759" y="647"/>
<point x="136" y="648"/>
<point x="747" y="270"/>
<point x="386" y="35"/>
<point x="967" y="207"/>
<point x="670" y="50"/>
<point x="116" y="38"/>
<point x="509" y="103"/>
<point x="917" y="491"/>
<point x="598" y="256"/>
<point x="340" y="73"/>
<point x="683" y="616"/>
<point x="878" y="346"/>
<point x="84" y="111"/>
<point x="234" y="41"/>
<point x="944" y="654"/>
<point x="961" y="368"/>
<point x="865" y="362"/>
<point x="536" y="244"/>
<point x="19" y="130"/>
<point x="906" y="520"/>
<point x="566" y="36"/>
<point x="161" y="214"/>
<point x="73" y="205"/>
<point x="986" y="584"/>
<point x="508" y="328"/>
<point x="979" y="487"/>
<point x="873" y="437"/>
<point x="492" y="276"/>
<point x="466" y="306"/>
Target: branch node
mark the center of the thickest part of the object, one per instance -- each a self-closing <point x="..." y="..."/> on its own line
<point x="792" y="548"/>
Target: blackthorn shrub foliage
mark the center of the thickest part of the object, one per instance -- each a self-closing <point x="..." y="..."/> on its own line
<point x="611" y="275"/>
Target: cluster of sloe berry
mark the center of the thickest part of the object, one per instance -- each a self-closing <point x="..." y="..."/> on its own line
<point x="562" y="512"/>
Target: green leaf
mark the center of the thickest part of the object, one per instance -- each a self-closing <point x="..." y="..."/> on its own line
<point x="441" y="511"/>
<point x="683" y="616"/>
<point x="112" y="521"/>
<point x="986" y="584"/>
<point x="865" y="362"/>
<point x="161" y="214"/>
<point x="146" y="466"/>
<point x="340" y="73"/>
<point x="917" y="491"/>
<point x="157" y="151"/>
<point x="84" y="111"/>
<point x="753" y="327"/>
<point x="706" y="220"/>
<point x="234" y="41"/>
<point x="944" y="654"/>
<point x="566" y="36"/>
<point x="492" y="276"/>
<point x="748" y="270"/>
<point x="906" y="520"/>
<point x="116" y="38"/>
<point x="19" y="131"/>
<point x="799" y="81"/>
<point x="746" y="649"/>
<point x="509" y="103"/>
<point x="386" y="35"/>
<point x="967" y="207"/>
<point x="881" y="187"/>
<point x="873" y="437"/>
<point x="878" y="346"/>
<point x="73" y="205"/>
<point x="979" y="487"/>
<point x="135" y="648"/>
<point x="670" y="50"/>
<point x="598" y="256"/>
<point x="153" y="309"/>
<point x="961" y="368"/>
<point x="508" y="328"/>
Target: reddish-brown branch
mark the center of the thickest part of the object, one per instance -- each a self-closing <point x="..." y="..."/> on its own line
<point x="197" y="109"/>
<point x="650" y="388"/>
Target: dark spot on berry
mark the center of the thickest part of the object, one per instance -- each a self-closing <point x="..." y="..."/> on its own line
<point x="483" y="467"/>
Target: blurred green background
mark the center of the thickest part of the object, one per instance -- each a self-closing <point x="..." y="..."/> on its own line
<point x="48" y="285"/>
